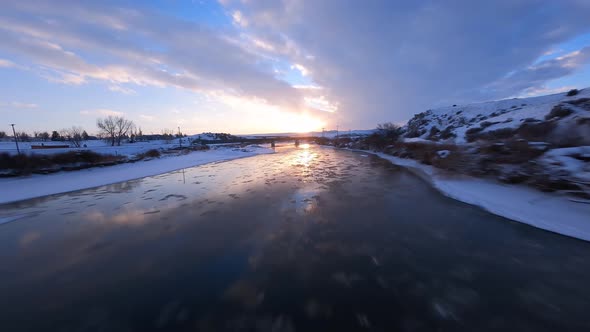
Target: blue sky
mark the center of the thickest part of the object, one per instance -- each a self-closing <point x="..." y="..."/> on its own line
<point x="274" y="66"/>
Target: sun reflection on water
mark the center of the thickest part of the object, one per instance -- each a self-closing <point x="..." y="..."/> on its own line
<point x="304" y="157"/>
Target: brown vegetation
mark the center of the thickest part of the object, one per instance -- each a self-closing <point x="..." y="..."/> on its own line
<point x="26" y="164"/>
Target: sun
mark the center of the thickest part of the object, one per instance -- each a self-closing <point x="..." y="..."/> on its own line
<point x="303" y="124"/>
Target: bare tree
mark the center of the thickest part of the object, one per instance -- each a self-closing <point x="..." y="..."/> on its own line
<point x="389" y="130"/>
<point x="44" y="136"/>
<point x="55" y="136"/>
<point x="167" y="135"/>
<point x="74" y="135"/>
<point x="64" y="134"/>
<point x="114" y="128"/>
<point x="107" y="129"/>
<point x="23" y="136"/>
<point x="2" y="134"/>
<point x="123" y="127"/>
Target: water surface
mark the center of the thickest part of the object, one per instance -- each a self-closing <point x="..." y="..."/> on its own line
<point x="308" y="239"/>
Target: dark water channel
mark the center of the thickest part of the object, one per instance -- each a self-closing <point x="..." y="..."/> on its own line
<point x="308" y="239"/>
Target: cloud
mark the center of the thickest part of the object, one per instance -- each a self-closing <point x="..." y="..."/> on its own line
<point x="147" y="117"/>
<point x="386" y="60"/>
<point x="304" y="71"/>
<point x="239" y="19"/>
<point x="374" y="61"/>
<point x="532" y="92"/>
<point x="307" y="87"/>
<point x="6" y="63"/>
<point x="102" y="112"/>
<point x="19" y="105"/>
<point x="136" y="46"/>
<point x="534" y="78"/>
<point x="123" y="90"/>
<point x="321" y="103"/>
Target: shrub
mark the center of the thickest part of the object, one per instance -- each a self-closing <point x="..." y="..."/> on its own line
<point x="378" y="141"/>
<point x="572" y="92"/>
<point x="473" y="134"/>
<point x="448" y="133"/>
<point x="153" y="153"/>
<point x="499" y="134"/>
<point x="389" y="130"/>
<point x="433" y="134"/>
<point x="579" y="101"/>
<point x="322" y="140"/>
<point x="199" y="147"/>
<point x="583" y="103"/>
<point x="414" y="127"/>
<point x="558" y="111"/>
<point x="536" y="131"/>
<point x="486" y="124"/>
<point x="26" y="164"/>
<point x="511" y="152"/>
<point x="424" y="152"/>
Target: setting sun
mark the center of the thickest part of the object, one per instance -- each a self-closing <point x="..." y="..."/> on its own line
<point x="303" y="124"/>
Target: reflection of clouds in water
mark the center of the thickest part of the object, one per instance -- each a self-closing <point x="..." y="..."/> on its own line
<point x="29" y="238"/>
<point x="306" y="199"/>
<point x="135" y="217"/>
<point x="123" y="186"/>
<point x="245" y="293"/>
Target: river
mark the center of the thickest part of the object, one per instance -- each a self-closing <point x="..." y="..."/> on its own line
<point x="306" y="239"/>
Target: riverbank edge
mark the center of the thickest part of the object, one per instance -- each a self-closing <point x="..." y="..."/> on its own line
<point x="36" y="186"/>
<point x="547" y="211"/>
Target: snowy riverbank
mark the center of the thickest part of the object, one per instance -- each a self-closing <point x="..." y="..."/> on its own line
<point x="552" y="212"/>
<point x="16" y="189"/>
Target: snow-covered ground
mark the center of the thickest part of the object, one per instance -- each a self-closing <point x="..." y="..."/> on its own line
<point x="98" y="146"/>
<point x="552" y="212"/>
<point x="494" y="115"/>
<point x="20" y="188"/>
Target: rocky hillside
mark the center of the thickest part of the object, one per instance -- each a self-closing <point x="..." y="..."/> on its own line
<point x="542" y="141"/>
<point x="561" y="119"/>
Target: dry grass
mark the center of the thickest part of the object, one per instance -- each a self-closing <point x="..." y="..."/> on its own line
<point x="153" y="153"/>
<point x="558" y="111"/>
<point x="27" y="164"/>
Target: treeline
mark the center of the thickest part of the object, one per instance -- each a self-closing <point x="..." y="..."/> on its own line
<point x="74" y="134"/>
<point x="112" y="129"/>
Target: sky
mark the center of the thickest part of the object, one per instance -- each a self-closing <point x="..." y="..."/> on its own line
<point x="264" y="66"/>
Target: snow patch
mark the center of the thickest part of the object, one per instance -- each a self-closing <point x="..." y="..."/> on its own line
<point x="547" y="211"/>
<point x="16" y="189"/>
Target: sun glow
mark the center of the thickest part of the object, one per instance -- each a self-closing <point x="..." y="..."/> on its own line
<point x="257" y="116"/>
<point x="302" y="124"/>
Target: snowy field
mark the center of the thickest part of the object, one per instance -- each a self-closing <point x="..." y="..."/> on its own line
<point x="20" y="188"/>
<point x="98" y="146"/>
<point x="552" y="212"/>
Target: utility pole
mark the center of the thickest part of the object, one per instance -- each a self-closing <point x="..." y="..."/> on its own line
<point x="179" y="137"/>
<point x="15" y="138"/>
